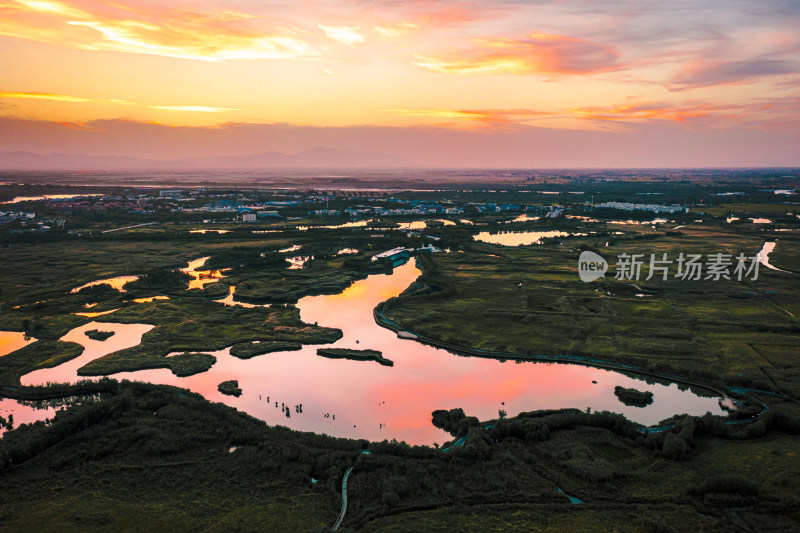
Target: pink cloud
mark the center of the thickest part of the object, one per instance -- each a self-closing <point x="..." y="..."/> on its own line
<point x="537" y="54"/>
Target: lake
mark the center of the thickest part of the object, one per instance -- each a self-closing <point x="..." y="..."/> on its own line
<point x="49" y="197"/>
<point x="367" y="400"/>
<point x="519" y="238"/>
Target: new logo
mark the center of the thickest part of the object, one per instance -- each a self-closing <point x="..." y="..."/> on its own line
<point x="591" y="266"/>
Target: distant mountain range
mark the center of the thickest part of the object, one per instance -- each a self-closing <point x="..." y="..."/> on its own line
<point x="318" y="157"/>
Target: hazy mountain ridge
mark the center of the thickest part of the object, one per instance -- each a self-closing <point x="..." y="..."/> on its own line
<point x="317" y="157"/>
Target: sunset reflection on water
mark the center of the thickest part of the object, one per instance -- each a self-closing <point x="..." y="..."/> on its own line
<point x="11" y="341"/>
<point x="378" y="402"/>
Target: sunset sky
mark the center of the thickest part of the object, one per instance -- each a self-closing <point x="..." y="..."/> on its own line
<point x="438" y="82"/>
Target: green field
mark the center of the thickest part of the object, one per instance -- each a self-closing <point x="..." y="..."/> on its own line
<point x="133" y="456"/>
<point x="529" y="300"/>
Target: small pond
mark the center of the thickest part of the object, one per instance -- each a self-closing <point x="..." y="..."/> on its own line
<point x="519" y="238"/>
<point x="117" y="282"/>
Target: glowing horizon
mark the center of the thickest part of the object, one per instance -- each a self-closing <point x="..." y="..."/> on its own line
<point x="452" y="66"/>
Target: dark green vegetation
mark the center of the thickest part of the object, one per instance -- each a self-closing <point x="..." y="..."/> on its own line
<point x="97" y="335"/>
<point x="269" y="282"/>
<point x="529" y="300"/>
<point x="161" y="280"/>
<point x="355" y="355"/>
<point x="37" y="355"/>
<point x="112" y="463"/>
<point x="188" y="364"/>
<point x="115" y="465"/>
<point x="230" y="387"/>
<point x="130" y="457"/>
<point x="454" y="421"/>
<point x="633" y="397"/>
<point x="291" y="285"/>
<point x="195" y="325"/>
<point x="246" y="350"/>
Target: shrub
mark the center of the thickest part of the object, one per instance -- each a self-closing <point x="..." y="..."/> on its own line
<point x="674" y="447"/>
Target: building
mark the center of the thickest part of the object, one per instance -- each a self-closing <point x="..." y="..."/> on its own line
<point x="656" y="208"/>
<point x="246" y="215"/>
<point x="283" y="203"/>
<point x="325" y="213"/>
<point x="395" y="254"/>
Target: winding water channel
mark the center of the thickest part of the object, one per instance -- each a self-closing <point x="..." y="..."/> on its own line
<point x="360" y="399"/>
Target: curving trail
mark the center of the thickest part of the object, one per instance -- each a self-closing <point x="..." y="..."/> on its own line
<point x="344" y="500"/>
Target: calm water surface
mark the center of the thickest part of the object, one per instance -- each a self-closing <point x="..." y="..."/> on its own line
<point x="377" y="402"/>
<point x="201" y="278"/>
<point x="11" y="341"/>
<point x="23" y="413"/>
<point x="49" y="197"/>
<point x="117" y="282"/>
<point x="518" y="238"/>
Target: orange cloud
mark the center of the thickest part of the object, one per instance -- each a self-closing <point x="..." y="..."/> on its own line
<point x="158" y="31"/>
<point x="46" y="96"/>
<point x="83" y="100"/>
<point x="473" y="117"/>
<point x="538" y="54"/>
<point x="192" y="108"/>
<point x="78" y="126"/>
<point x="639" y="112"/>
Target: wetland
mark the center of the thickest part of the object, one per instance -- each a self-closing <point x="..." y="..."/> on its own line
<point x="221" y="356"/>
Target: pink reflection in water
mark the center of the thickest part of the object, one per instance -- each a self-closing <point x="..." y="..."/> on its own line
<point x="377" y="402"/>
<point x="125" y="336"/>
<point x="22" y="413"/>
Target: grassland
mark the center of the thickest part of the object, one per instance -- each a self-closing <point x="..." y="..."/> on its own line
<point x="246" y="350"/>
<point x="35" y="356"/>
<point x="529" y="300"/>
<point x="200" y="325"/>
<point x="160" y="456"/>
<point x="38" y="279"/>
<point x="750" y="208"/>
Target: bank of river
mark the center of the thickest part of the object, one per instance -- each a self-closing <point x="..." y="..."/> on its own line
<point x="763" y="256"/>
<point x="360" y="399"/>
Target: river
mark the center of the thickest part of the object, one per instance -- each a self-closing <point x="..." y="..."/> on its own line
<point x="366" y="400"/>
